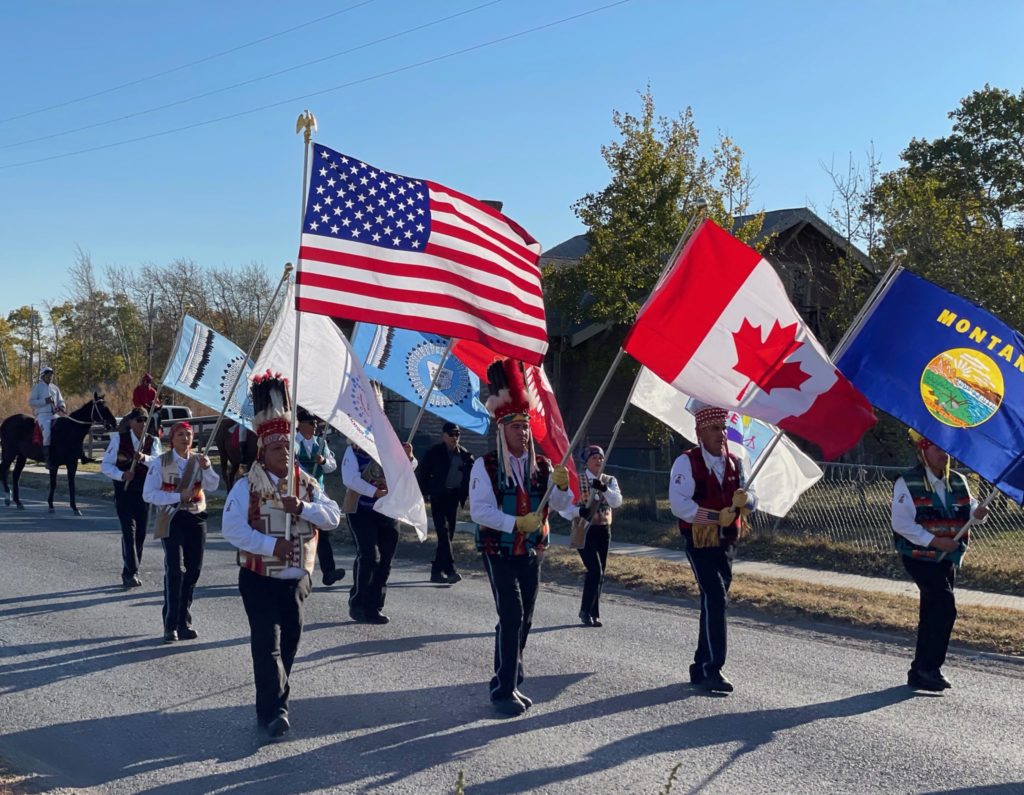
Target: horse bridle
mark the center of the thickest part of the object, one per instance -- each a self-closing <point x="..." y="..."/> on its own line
<point x="93" y="418"/>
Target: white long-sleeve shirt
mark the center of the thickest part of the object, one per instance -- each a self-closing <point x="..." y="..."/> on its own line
<point x="322" y="512"/>
<point x="681" y="485"/>
<point x="108" y="466"/>
<point x="351" y="477"/>
<point x="37" y="398"/>
<point x="152" y="493"/>
<point x="311" y="445"/>
<point x="612" y="496"/>
<point x="904" y="514"/>
<point x="483" y="505"/>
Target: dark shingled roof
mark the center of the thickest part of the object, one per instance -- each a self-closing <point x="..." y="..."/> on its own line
<point x="573" y="248"/>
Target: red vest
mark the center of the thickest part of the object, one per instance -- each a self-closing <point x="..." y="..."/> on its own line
<point x="709" y="493"/>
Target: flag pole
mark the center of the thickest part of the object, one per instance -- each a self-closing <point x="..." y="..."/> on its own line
<point x="306" y="124"/>
<point x="430" y="390"/>
<point x="248" y="355"/>
<point x="701" y="206"/>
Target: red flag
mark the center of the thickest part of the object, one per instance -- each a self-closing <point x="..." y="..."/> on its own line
<point x="547" y="427"/>
<point x="387" y="249"/>
<point x="721" y="328"/>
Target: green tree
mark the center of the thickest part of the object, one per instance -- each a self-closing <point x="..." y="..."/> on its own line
<point x="657" y="171"/>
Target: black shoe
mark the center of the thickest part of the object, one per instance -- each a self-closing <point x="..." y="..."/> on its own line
<point x="696" y="674"/>
<point x="586" y="619"/>
<point x="187" y="634"/>
<point x="136" y="582"/>
<point x="357" y="614"/>
<point x="946" y="684"/>
<point x="126" y="583"/>
<point x="335" y="576"/>
<point x="509" y="706"/>
<point x="454" y="577"/>
<point x="438" y="577"/>
<point x="527" y="702"/>
<point x="595" y="621"/>
<point x="170" y="637"/>
<point x="932" y="681"/>
<point x="716" y="683"/>
<point x="376" y="617"/>
<point x="278" y="727"/>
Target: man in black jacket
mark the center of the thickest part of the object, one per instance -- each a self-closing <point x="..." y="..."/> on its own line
<point x="444" y="479"/>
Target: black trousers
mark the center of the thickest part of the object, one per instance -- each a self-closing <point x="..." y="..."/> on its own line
<point x="443" y="510"/>
<point x="712" y="568"/>
<point x="325" y="554"/>
<point x="133" y="514"/>
<point x="184" y="546"/>
<point x="937" y="615"/>
<point x="515" y="580"/>
<point x="595" y="558"/>
<point x="274" y="608"/>
<point x="376" y="538"/>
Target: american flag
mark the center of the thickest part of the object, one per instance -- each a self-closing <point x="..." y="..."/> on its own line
<point x="382" y="248"/>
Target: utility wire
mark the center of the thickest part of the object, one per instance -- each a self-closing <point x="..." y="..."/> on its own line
<point x="250" y="81"/>
<point x="339" y="87"/>
<point x="188" y="65"/>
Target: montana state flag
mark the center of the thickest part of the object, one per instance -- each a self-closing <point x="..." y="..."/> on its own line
<point x="948" y="369"/>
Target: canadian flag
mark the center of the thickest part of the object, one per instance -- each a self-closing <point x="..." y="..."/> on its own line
<point x="720" y="327"/>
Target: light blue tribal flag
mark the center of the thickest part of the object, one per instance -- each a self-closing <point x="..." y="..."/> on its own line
<point x="204" y="365"/>
<point x="405" y="362"/>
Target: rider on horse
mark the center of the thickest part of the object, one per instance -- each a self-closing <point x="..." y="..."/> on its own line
<point x="46" y="399"/>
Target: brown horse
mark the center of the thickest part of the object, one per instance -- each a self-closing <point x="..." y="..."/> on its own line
<point x="232" y="459"/>
<point x="66" y="437"/>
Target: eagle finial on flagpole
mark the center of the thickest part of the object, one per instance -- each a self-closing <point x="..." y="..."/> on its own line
<point x="307" y="123"/>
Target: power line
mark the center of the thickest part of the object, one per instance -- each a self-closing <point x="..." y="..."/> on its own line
<point x="188" y="65"/>
<point x="250" y="81"/>
<point x="321" y="92"/>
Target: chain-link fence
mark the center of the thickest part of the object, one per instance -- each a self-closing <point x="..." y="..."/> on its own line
<point x="849" y="505"/>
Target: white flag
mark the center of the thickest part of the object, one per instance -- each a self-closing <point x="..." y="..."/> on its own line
<point x="333" y="386"/>
<point x="786" y="474"/>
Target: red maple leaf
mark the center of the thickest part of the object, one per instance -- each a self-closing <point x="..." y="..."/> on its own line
<point x="764" y="361"/>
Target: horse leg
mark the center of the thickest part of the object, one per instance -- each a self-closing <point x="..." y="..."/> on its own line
<point x="19" y="464"/>
<point x="72" y="469"/>
<point x="5" y="467"/>
<point x="53" y="487"/>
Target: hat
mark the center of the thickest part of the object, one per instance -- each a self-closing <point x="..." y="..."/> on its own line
<point x="272" y="414"/>
<point x="919" y="441"/>
<point x="589" y="450"/>
<point x="510" y="400"/>
<point x="451" y="428"/>
<point x="705" y="414"/>
<point x="137" y="414"/>
<point x="147" y="378"/>
<point x="44" y="370"/>
<point x="304" y="415"/>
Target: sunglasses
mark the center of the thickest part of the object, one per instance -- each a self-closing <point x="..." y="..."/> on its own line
<point x="454" y="433"/>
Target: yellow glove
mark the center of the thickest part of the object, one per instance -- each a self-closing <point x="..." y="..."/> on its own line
<point x="527" y="523"/>
<point x="739" y="498"/>
<point x="560" y="477"/>
<point x="726" y="517"/>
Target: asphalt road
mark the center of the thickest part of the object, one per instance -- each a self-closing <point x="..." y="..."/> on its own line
<point x="92" y="700"/>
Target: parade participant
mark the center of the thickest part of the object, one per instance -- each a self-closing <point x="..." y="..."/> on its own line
<point x="126" y="462"/>
<point x="444" y="479"/>
<point x="506" y="489"/>
<point x="592" y="518"/>
<point x="144" y="396"/>
<point x="177" y="483"/>
<point x="317" y="460"/>
<point x="46" y="400"/>
<point x="708" y="494"/>
<point x="930" y="503"/>
<point x="375" y="535"/>
<point x="275" y="571"/>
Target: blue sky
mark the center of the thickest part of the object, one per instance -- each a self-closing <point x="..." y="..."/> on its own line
<point x="794" y="84"/>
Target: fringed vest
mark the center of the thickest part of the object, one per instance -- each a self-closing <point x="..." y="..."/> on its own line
<point x="709" y="493"/>
<point x="308" y="462"/>
<point x="125" y="455"/>
<point x="940" y="519"/>
<point x="515" y="502"/>
<point x="602" y="511"/>
<point x="371" y="472"/>
<point x="170" y="480"/>
<point x="267" y="515"/>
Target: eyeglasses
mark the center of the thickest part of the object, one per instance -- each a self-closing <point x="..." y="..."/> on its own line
<point x="454" y="434"/>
